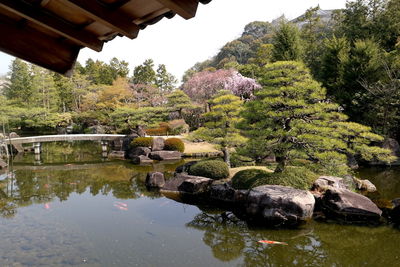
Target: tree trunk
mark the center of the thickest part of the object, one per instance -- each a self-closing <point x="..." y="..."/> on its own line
<point x="227" y="156"/>
<point x="281" y="163"/>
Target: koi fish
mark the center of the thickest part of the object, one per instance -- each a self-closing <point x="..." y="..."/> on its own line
<point x="47" y="206"/>
<point x="72" y="183"/>
<point x="46" y="186"/>
<point x="121" y="204"/>
<point x="120" y="207"/>
<point x="272" y="242"/>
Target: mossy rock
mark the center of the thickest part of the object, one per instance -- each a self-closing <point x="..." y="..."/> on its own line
<point x="246" y="178"/>
<point x="213" y="169"/>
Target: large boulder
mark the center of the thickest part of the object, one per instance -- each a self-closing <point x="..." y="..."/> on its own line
<point x="116" y="155"/>
<point x="137" y="151"/>
<point x="155" y="180"/>
<point x="279" y="205"/>
<point x="224" y="195"/>
<point x="349" y="206"/>
<point x="195" y="185"/>
<point x="158" y="144"/>
<point x="165" y="155"/>
<point x="324" y="183"/>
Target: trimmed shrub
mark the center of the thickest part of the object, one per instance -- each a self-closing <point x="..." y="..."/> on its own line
<point x="296" y="177"/>
<point x="246" y="178"/>
<point x="142" y="142"/>
<point x="174" y="144"/>
<point x="157" y="131"/>
<point x="213" y="169"/>
<point x="241" y="161"/>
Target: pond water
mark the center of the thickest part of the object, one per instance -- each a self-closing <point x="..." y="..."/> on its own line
<point x="98" y="213"/>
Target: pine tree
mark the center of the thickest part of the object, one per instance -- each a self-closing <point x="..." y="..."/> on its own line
<point x="178" y="100"/>
<point x="144" y="74"/>
<point x="165" y="80"/>
<point x="287" y="43"/>
<point x="221" y="121"/>
<point x="292" y="118"/>
<point x="19" y="88"/>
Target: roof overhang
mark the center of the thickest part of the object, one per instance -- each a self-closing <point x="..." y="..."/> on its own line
<point x="50" y="33"/>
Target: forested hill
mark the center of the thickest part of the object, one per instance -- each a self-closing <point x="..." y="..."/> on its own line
<point x="353" y="52"/>
<point x="256" y="35"/>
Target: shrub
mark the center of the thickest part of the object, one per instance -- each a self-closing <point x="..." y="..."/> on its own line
<point x="296" y="177"/>
<point x="142" y="142"/>
<point x="174" y="144"/>
<point x="213" y="169"/>
<point x="241" y="161"/>
<point x="246" y="178"/>
<point x="157" y="131"/>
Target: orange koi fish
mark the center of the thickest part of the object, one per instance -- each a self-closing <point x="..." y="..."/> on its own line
<point x="272" y="242"/>
<point x="47" y="206"/>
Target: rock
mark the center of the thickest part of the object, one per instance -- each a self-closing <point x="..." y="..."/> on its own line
<point x="395" y="212"/>
<point x="325" y="182"/>
<point x="393" y="146"/>
<point x="173" y="183"/>
<point x="126" y="141"/>
<point x="3" y="164"/>
<point x="279" y="205"/>
<point x="117" y="155"/>
<point x="137" y="151"/>
<point x="364" y="185"/>
<point x="185" y="167"/>
<point x="98" y="129"/>
<point x="141" y="160"/>
<point x="155" y="180"/>
<point x="195" y="184"/>
<point x="158" y="144"/>
<point x="223" y="193"/>
<point x="349" y="206"/>
<point x="165" y="155"/>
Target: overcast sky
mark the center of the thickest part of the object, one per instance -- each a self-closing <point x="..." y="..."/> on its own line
<point x="180" y="44"/>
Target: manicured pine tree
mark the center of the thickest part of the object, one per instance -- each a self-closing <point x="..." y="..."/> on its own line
<point x="177" y="101"/>
<point x="221" y="121"/>
<point x="292" y="118"/>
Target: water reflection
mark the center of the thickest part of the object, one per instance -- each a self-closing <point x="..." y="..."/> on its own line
<point x="28" y="185"/>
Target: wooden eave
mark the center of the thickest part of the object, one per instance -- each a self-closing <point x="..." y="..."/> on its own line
<point x="50" y="33"/>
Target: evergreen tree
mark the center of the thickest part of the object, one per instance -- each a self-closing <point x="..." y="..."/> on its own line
<point x="144" y="74"/>
<point x="221" y="121"/>
<point x="44" y="90"/>
<point x="287" y="43"/>
<point x="177" y="101"/>
<point x="165" y="80"/>
<point x="291" y="118"/>
<point x="19" y="87"/>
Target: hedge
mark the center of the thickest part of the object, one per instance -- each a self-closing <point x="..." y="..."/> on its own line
<point x="174" y="144"/>
<point x="213" y="169"/>
<point x="142" y="142"/>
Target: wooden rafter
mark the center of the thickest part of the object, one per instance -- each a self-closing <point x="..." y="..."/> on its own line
<point x="47" y="20"/>
<point x="185" y="8"/>
<point x="18" y="39"/>
<point x="112" y="18"/>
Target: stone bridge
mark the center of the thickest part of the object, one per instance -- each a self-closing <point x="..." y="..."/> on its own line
<point x="37" y="140"/>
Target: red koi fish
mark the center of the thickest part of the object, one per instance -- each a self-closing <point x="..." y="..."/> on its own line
<point x="120" y="207"/>
<point x="47" y="206"/>
<point x="272" y="242"/>
<point x="121" y="204"/>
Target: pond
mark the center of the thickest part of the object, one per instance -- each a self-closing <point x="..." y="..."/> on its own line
<point x="77" y="210"/>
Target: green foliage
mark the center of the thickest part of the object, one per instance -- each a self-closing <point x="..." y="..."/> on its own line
<point x="220" y="123"/>
<point x="144" y="74"/>
<point x="296" y="177"/>
<point x="238" y="160"/>
<point x="246" y="178"/>
<point x="165" y="80"/>
<point x="212" y="169"/>
<point x="157" y="131"/>
<point x="291" y="118"/>
<point x="142" y="142"/>
<point x="178" y="101"/>
<point x="174" y="144"/>
<point x="287" y="43"/>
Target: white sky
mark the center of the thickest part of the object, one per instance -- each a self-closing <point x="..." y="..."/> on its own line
<point x="180" y="44"/>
